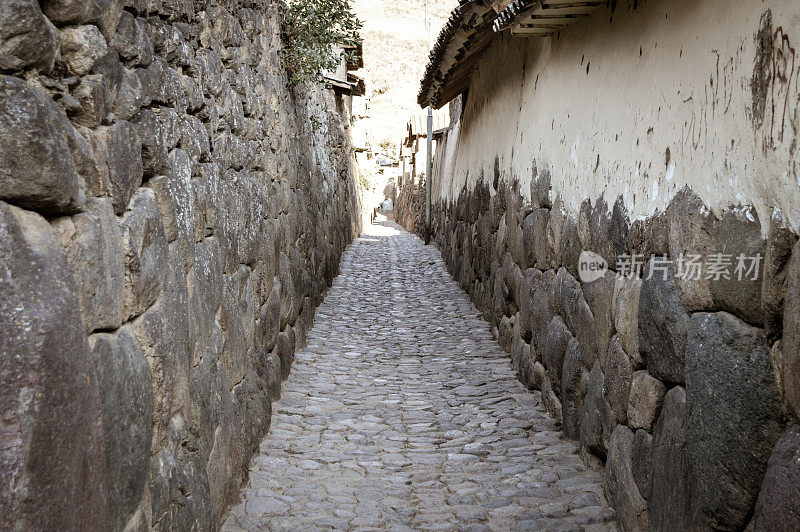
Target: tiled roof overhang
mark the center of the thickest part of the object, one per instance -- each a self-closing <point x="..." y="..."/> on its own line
<point x="474" y="24"/>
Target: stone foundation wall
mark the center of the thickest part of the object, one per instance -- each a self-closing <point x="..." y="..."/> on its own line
<point x="686" y="390"/>
<point x="409" y="208"/>
<point x="170" y="217"/>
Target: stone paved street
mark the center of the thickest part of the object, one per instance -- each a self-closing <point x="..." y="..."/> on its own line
<point x="403" y="413"/>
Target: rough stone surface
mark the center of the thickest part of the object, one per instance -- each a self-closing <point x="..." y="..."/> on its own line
<point x="27" y="38"/>
<point x="780" y="242"/>
<point x="663" y="326"/>
<point x="145" y="253"/>
<point x="571" y="392"/>
<point x="436" y="433"/>
<point x="51" y="466"/>
<point x="124" y="162"/>
<point x="692" y="230"/>
<point x="37" y="170"/>
<point x="67" y="11"/>
<point x="626" y="316"/>
<point x="645" y="400"/>
<point x="778" y="505"/>
<point x="93" y="245"/>
<point x="599" y="296"/>
<point x="670" y="493"/>
<point x="176" y="170"/>
<point x="126" y="398"/>
<point x="618" y="381"/>
<point x="642" y="461"/>
<point x="562" y="326"/>
<point x="621" y="488"/>
<point x="791" y="335"/>
<point x="81" y="47"/>
<point x="734" y="415"/>
<point x="594" y="413"/>
<point x="739" y="292"/>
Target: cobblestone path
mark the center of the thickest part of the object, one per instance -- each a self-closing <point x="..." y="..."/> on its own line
<point x="403" y="413"/>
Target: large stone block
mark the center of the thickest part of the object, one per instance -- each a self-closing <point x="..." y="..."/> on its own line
<point x="594" y="413"/>
<point x="620" y="483"/>
<point x="791" y="335"/>
<point x="570" y="245"/>
<point x="780" y="242"/>
<point x="27" y="38"/>
<point x="599" y="295"/>
<point x="37" y="170"/>
<point x="94" y="101"/>
<point x="778" y="505"/>
<point x="601" y="231"/>
<point x="130" y="97"/>
<point x="642" y="461"/>
<point x="740" y="240"/>
<point x="165" y="333"/>
<point x="205" y="292"/>
<point x="285" y="350"/>
<point x="52" y="474"/>
<point x="125" y="169"/>
<point x="131" y="41"/>
<point x="620" y="228"/>
<point x="228" y="455"/>
<point x="663" y="326"/>
<point x="179" y="491"/>
<point x="670" y="494"/>
<point x="645" y="400"/>
<point x="126" y="397"/>
<point x="81" y="47"/>
<point x="145" y="253"/>
<point x="543" y="307"/>
<point x="555" y="345"/>
<point x="618" y="382"/>
<point x="63" y="12"/>
<point x="540" y="190"/>
<point x="555" y="228"/>
<point x="735" y="415"/>
<point x="534" y="230"/>
<point x="577" y="315"/>
<point x="571" y="392"/>
<point x="693" y="230"/>
<point x="237" y="320"/>
<point x="626" y="316"/>
<point x="174" y="194"/>
<point x="93" y="245"/>
<point x="153" y="129"/>
<point x="207" y="386"/>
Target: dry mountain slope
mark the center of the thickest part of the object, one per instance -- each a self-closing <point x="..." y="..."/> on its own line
<point x="395" y="55"/>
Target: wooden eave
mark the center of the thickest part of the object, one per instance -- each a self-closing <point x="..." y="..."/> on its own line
<point x="472" y="27"/>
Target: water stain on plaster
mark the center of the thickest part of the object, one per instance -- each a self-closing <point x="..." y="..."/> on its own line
<point x="762" y="70"/>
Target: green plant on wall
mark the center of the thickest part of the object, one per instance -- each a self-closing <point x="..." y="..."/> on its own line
<point x="313" y="31"/>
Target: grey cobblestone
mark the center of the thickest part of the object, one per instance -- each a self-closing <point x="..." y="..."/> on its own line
<point x="403" y="413"/>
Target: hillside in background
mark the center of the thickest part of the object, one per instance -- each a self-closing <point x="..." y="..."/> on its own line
<point x="395" y="55"/>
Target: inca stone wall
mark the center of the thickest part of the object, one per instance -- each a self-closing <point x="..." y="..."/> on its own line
<point x="686" y="390"/>
<point x="170" y="217"/>
<point x="687" y="401"/>
<point x="409" y="208"/>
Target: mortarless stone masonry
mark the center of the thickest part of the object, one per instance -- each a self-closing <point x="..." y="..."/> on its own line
<point x="643" y="129"/>
<point x="673" y="457"/>
<point x="169" y="221"/>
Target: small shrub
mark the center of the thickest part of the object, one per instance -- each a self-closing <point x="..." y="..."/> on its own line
<point x="313" y="30"/>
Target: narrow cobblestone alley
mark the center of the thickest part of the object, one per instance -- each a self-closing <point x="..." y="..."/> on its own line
<point x="404" y="413"/>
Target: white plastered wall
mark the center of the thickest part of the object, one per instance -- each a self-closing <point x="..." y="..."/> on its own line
<point x="600" y="105"/>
